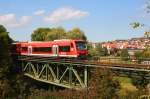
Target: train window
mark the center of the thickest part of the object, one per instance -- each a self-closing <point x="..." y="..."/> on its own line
<point x="64" y="48"/>
<point x="81" y="45"/>
<point x="42" y="49"/>
<point x="24" y="48"/>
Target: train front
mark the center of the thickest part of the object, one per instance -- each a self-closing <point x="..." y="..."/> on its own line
<point x="81" y="47"/>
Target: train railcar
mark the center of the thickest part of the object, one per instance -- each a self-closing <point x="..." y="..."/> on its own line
<point x="57" y="48"/>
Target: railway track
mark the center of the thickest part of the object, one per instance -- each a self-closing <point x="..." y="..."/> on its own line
<point x="90" y="63"/>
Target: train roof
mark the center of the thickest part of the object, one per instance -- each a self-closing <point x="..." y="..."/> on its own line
<point x="63" y="42"/>
<point x="59" y="40"/>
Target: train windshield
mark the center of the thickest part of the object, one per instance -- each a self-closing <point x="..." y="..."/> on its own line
<point x="81" y="45"/>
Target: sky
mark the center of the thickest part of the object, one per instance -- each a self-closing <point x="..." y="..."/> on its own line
<point x="101" y="20"/>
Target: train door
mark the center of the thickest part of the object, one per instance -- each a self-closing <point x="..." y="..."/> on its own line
<point x="29" y="50"/>
<point x="55" y="50"/>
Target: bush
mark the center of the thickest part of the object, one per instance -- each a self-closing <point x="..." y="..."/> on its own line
<point x="124" y="54"/>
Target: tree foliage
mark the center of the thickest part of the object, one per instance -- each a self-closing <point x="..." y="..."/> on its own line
<point x="97" y="51"/>
<point x="11" y="83"/>
<point x="124" y="54"/>
<point x="55" y="33"/>
<point x="103" y="86"/>
<point x="5" y="62"/>
<point x="76" y="33"/>
<point x="136" y="25"/>
<point x="50" y="34"/>
<point x="101" y="51"/>
<point x="140" y="82"/>
<point x="148" y="6"/>
<point x="40" y="34"/>
<point x="144" y="54"/>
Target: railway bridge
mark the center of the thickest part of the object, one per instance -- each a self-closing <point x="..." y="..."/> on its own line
<point x="72" y="74"/>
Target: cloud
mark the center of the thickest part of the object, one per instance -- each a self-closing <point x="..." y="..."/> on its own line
<point x="11" y="21"/>
<point x="64" y="14"/>
<point x="39" y="12"/>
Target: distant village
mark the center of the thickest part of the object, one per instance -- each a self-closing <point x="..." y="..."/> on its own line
<point x="132" y="45"/>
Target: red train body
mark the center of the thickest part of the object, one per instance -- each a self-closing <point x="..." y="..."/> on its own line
<point x="57" y="48"/>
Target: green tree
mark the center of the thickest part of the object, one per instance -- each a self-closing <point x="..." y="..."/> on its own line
<point x="56" y="33"/>
<point x="11" y="83"/>
<point x="40" y="34"/>
<point x="144" y="54"/>
<point x="148" y="6"/>
<point x="50" y="34"/>
<point x="76" y="33"/>
<point x="136" y="25"/>
<point x="124" y="54"/>
<point x="5" y="62"/>
<point x="92" y="52"/>
<point x="101" y="51"/>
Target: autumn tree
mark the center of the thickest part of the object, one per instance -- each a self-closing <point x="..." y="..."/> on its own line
<point x="102" y="85"/>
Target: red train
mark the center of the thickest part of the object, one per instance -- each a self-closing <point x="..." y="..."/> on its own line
<point x="57" y="48"/>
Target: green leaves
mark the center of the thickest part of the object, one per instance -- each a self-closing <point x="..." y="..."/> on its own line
<point x="143" y="54"/>
<point x="40" y="34"/>
<point x="5" y="62"/>
<point x="76" y="33"/>
<point x="136" y="25"/>
<point x="50" y="34"/>
<point x="2" y="29"/>
<point x="124" y="54"/>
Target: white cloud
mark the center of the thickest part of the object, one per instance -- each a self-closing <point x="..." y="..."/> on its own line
<point x="64" y="14"/>
<point x="39" y="12"/>
<point x="11" y="21"/>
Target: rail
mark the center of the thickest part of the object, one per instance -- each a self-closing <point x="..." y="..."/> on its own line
<point x="107" y="62"/>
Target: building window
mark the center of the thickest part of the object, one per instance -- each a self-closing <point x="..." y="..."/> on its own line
<point x="64" y="48"/>
<point x="42" y="49"/>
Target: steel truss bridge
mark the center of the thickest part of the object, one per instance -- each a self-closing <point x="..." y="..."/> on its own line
<point x="72" y="74"/>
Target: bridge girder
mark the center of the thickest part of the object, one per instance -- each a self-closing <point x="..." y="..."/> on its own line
<point x="63" y="75"/>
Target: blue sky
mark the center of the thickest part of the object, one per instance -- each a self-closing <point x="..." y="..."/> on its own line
<point x="101" y="20"/>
